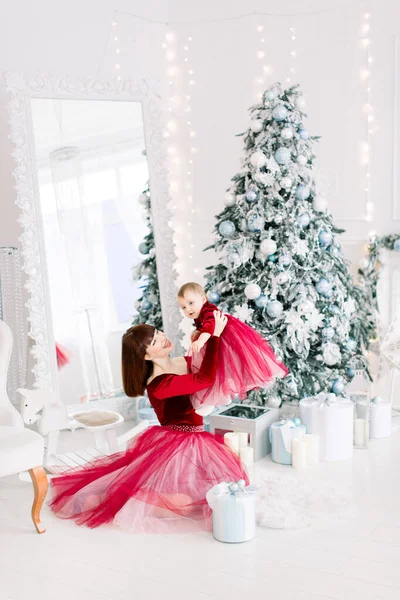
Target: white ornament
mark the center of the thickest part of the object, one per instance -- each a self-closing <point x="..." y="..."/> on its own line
<point x="287" y="133"/>
<point x="305" y="307"/>
<point x="274" y="402"/>
<point x="230" y="199"/>
<point x="257" y="125"/>
<point x="143" y="199"/>
<point x="331" y="354"/>
<point x="258" y="159"/>
<point x="252" y="291"/>
<point x="286" y="183"/>
<point x="320" y="203"/>
<point x="301" y="160"/>
<point x="268" y="247"/>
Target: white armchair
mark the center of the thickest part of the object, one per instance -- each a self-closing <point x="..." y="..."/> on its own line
<point x="20" y="448"/>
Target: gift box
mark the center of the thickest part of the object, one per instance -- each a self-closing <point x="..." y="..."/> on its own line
<point x="253" y="420"/>
<point x="332" y="419"/>
<point x="234" y="511"/>
<point x="380" y="416"/>
<point x="281" y="435"/>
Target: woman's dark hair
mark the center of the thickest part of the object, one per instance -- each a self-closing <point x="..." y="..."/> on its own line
<point x="135" y="369"/>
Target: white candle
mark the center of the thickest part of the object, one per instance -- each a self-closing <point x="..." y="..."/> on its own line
<point x="360" y="427"/>
<point x="299" y="453"/>
<point x="311" y="441"/>
<point x="231" y="439"/>
<point x="246" y="454"/>
<point x="243" y="439"/>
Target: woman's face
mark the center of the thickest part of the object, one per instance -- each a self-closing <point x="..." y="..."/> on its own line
<point x="159" y="346"/>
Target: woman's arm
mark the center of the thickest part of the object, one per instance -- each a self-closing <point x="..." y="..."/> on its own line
<point x="177" y="385"/>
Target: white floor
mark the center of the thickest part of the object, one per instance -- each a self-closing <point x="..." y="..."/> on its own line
<point x="353" y="561"/>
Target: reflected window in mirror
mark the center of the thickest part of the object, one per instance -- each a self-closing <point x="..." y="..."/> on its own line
<point x="91" y="167"/>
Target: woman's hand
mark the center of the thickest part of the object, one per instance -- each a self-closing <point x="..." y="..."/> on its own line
<point x="220" y="322"/>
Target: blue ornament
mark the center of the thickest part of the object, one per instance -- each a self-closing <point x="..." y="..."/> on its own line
<point x="272" y="258"/>
<point x="285" y="260"/>
<point x="255" y="222"/>
<point x="328" y="333"/>
<point x="274" y="308"/>
<point x="302" y="192"/>
<point x="297" y="421"/>
<point x="145" y="304"/>
<point x="396" y="245"/>
<point x="279" y="113"/>
<point x="334" y="309"/>
<point x="269" y="95"/>
<point x="143" y="248"/>
<point x="282" y="155"/>
<point x="334" y="251"/>
<point x="227" y="228"/>
<point x="303" y="133"/>
<point x="303" y="220"/>
<point x="323" y="287"/>
<point x="351" y="344"/>
<point x="261" y="301"/>
<point x="233" y="487"/>
<point x="325" y="237"/>
<point x="251" y="196"/>
<point x="350" y="372"/>
<point x="213" y="297"/>
<point x="337" y="386"/>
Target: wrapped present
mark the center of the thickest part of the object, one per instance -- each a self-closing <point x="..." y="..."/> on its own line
<point x="281" y="435"/>
<point x="380" y="416"/>
<point x="234" y="511"/>
<point x="332" y="419"/>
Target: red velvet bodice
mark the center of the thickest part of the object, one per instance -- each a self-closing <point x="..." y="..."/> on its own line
<point x="205" y="322"/>
<point x="169" y="394"/>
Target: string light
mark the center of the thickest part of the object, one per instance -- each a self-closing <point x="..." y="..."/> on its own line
<point x="292" y="54"/>
<point x="367" y="109"/>
<point x="259" y="80"/>
<point x="117" y="51"/>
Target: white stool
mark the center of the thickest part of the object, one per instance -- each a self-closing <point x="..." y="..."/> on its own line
<point x="103" y="424"/>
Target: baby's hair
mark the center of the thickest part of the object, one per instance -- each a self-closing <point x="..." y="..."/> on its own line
<point x="191" y="287"/>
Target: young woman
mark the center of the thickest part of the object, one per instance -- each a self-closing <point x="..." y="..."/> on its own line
<point x="160" y="483"/>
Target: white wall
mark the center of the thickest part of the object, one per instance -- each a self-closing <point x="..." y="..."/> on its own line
<point x="77" y="39"/>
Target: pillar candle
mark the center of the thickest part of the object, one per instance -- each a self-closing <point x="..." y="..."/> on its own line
<point x="360" y="427"/>
<point x="231" y="439"/>
<point x="299" y="453"/>
<point x="246" y="454"/>
<point x="243" y="439"/>
<point x="311" y="441"/>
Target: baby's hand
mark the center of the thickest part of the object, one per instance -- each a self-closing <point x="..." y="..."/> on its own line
<point x="196" y="346"/>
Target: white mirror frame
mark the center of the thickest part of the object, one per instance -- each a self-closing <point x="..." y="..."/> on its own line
<point x="22" y="88"/>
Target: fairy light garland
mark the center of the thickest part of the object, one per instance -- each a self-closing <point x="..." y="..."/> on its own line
<point x="365" y="75"/>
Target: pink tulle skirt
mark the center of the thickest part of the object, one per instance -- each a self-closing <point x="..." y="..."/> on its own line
<point x="245" y="362"/>
<point x="158" y="485"/>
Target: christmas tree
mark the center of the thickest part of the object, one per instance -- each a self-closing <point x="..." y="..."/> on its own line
<point x="281" y="268"/>
<point x="148" y="306"/>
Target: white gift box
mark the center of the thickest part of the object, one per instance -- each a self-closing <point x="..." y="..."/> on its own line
<point x="234" y="512"/>
<point x="332" y="420"/>
<point x="380" y="417"/>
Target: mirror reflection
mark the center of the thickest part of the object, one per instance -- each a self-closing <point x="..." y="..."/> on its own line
<point x="91" y="167"/>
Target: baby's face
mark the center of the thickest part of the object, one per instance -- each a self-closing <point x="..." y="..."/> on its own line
<point x="191" y="304"/>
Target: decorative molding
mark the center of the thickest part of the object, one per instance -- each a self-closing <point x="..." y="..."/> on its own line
<point x="22" y="88"/>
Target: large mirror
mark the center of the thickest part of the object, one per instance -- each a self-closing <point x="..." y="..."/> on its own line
<point x="86" y="150"/>
<point x="91" y="167"/>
